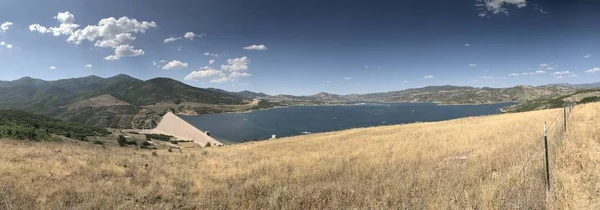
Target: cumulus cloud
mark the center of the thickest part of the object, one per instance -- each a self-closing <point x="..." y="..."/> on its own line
<point x="204" y="72"/>
<point x="222" y="80"/>
<point x="560" y="73"/>
<point x="540" y="72"/>
<point x="175" y="64"/>
<point x="171" y="39"/>
<point x="593" y="70"/>
<point x="111" y="58"/>
<point x="467" y="45"/>
<point x="256" y="47"/>
<point x="490" y="7"/>
<point x="109" y="32"/>
<point x="119" y="40"/>
<point x="211" y="62"/>
<point x="513" y="74"/>
<point x="192" y="35"/>
<point x="9" y="46"/>
<point x="587" y="56"/>
<point x="66" y="27"/>
<point x="236" y="64"/>
<point x="109" y="28"/>
<point x="125" y="51"/>
<point x="428" y="77"/>
<point x="5" y="26"/>
<point x="52" y="68"/>
<point x="88" y="66"/>
<point x="472" y="65"/>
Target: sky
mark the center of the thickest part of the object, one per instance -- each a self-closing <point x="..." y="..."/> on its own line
<point x="305" y="47"/>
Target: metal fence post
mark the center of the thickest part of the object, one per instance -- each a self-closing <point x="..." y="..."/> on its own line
<point x="547" y="163"/>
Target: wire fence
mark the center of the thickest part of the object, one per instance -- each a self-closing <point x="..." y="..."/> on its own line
<point x="536" y="164"/>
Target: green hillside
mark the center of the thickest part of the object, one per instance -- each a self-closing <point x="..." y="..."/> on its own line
<point x="22" y="125"/>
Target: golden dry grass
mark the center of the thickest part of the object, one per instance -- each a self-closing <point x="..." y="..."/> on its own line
<point x="470" y="163"/>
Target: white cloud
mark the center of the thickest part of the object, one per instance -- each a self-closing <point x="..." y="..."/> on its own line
<point x="550" y="68"/>
<point x="52" y="68"/>
<point x="2" y="43"/>
<point x="192" y="35"/>
<point x="513" y="74"/>
<point x="428" y="77"/>
<point x="110" y="32"/>
<point x="560" y="73"/>
<point x="537" y="8"/>
<point x="4" y="26"/>
<point x="204" y="72"/>
<point x="125" y="51"/>
<point x="239" y="74"/>
<point x="540" y="72"/>
<point x="38" y="28"/>
<point x="366" y="66"/>
<point x="347" y="78"/>
<point x="175" y="64"/>
<point x="9" y="46"/>
<point x="66" y="27"/>
<point x="489" y="7"/>
<point x="119" y="40"/>
<point x="211" y="54"/>
<point x="587" y="56"/>
<point x="88" y="66"/>
<point x="236" y="64"/>
<point x="467" y="45"/>
<point x="111" y="58"/>
<point x="256" y="47"/>
<point x="593" y="70"/>
<point x="65" y="17"/>
<point x="171" y="39"/>
<point x="222" y="80"/>
<point x="544" y="65"/>
<point x="472" y="64"/>
<point x="109" y="28"/>
<point x="487" y="78"/>
<point x="211" y="62"/>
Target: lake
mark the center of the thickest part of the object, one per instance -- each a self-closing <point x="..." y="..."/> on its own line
<point x="291" y="121"/>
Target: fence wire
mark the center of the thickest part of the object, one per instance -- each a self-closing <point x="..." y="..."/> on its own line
<point x="555" y="132"/>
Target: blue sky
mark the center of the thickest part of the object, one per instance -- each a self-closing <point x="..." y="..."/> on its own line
<point x="305" y="47"/>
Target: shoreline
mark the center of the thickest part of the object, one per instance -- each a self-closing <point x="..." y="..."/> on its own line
<point x="354" y="104"/>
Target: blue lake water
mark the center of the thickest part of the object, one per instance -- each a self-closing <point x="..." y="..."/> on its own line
<point x="291" y="121"/>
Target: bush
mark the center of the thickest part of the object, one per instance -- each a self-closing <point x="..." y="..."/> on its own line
<point x="122" y="141"/>
<point x="174" y="142"/>
<point x="98" y="142"/>
<point x="208" y="144"/>
<point x="154" y="154"/>
<point x="160" y="137"/>
<point x="170" y="150"/>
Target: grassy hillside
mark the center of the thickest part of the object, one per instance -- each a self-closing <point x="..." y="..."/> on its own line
<point x="22" y="125"/>
<point x="580" y="96"/>
<point x="490" y="162"/>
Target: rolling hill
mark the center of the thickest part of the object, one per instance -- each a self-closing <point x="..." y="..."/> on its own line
<point x="57" y="98"/>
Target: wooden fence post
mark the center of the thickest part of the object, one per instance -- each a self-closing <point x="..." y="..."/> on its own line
<point x="565" y="115"/>
<point x="547" y="162"/>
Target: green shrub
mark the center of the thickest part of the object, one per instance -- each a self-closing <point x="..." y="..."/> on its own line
<point x="160" y="137"/>
<point x="98" y="142"/>
<point x="122" y="141"/>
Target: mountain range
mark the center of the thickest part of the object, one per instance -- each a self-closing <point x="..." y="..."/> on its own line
<point x="122" y="101"/>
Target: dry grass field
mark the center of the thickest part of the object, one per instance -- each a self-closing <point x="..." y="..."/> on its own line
<point x="490" y="162"/>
